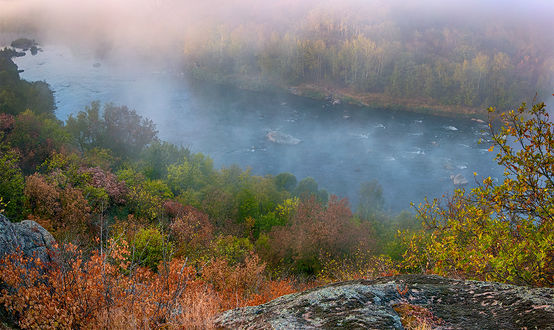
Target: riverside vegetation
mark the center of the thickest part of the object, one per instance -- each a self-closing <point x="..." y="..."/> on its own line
<point x="150" y="234"/>
<point x="380" y="56"/>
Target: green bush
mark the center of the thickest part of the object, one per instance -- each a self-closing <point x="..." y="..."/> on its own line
<point x="150" y="248"/>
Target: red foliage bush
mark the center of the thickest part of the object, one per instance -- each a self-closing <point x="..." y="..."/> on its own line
<point x="173" y="209"/>
<point x="316" y="230"/>
<point x="7" y="123"/>
<point x="191" y="228"/>
<point x="117" y="190"/>
<point x="64" y="212"/>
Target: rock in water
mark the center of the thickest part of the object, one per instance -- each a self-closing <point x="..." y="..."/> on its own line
<point x="24" y="44"/>
<point x="363" y="304"/>
<point x="29" y="236"/>
<point x="281" y="138"/>
<point x="459" y="180"/>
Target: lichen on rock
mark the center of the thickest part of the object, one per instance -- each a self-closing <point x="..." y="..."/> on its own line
<point x="364" y="304"/>
<point x="27" y="236"/>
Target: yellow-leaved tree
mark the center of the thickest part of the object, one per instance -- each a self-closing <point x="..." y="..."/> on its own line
<point x="498" y="231"/>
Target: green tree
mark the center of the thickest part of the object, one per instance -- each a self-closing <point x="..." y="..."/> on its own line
<point x="119" y="129"/>
<point x="285" y="181"/>
<point x="248" y="205"/>
<point x="308" y="187"/>
<point x="157" y="156"/>
<point x="126" y="132"/>
<point x="371" y="199"/>
<point x="35" y="137"/>
<point x="86" y="127"/>
<point x="150" y="247"/>
<point x="12" y="184"/>
<point x="192" y="173"/>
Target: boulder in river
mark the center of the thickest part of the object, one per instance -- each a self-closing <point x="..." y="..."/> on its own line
<point x="281" y="138"/>
<point x="24" y="44"/>
<point x="459" y="180"/>
<point x="387" y="302"/>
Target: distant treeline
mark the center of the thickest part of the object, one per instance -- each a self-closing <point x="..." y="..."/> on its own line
<point x="493" y="64"/>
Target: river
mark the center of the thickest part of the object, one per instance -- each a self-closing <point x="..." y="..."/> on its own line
<point x="411" y="155"/>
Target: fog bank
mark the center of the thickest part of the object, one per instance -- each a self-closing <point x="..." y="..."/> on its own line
<point x="160" y="27"/>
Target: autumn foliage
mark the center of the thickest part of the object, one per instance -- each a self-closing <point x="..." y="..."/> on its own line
<point x="152" y="235"/>
<point x="316" y="230"/>
<point x="498" y="231"/>
<point x="107" y="290"/>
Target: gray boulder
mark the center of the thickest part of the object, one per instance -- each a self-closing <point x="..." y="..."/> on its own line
<point x="29" y="236"/>
<point x="363" y="304"/>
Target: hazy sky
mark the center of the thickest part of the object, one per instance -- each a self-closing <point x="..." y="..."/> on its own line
<point x="159" y="27"/>
<point x="158" y="23"/>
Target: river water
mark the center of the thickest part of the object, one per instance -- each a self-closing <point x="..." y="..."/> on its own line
<point x="411" y="155"/>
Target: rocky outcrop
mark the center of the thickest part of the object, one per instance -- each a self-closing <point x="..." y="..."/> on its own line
<point x="27" y="235"/>
<point x="363" y="304"/>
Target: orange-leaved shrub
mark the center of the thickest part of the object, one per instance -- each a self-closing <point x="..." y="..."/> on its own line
<point x="107" y="290"/>
<point x="244" y="283"/>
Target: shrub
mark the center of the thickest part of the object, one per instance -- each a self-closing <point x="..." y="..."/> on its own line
<point x="315" y="230"/>
<point x="150" y="247"/>
<point x="76" y="292"/>
<point x="501" y="232"/>
<point x="106" y="290"/>
<point x="191" y="230"/>
<point x="360" y="265"/>
<point x="11" y="184"/>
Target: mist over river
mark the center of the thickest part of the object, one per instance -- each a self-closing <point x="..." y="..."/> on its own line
<point x="411" y="155"/>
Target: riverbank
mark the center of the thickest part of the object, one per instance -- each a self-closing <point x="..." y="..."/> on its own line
<point x="382" y="101"/>
<point x="337" y="96"/>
